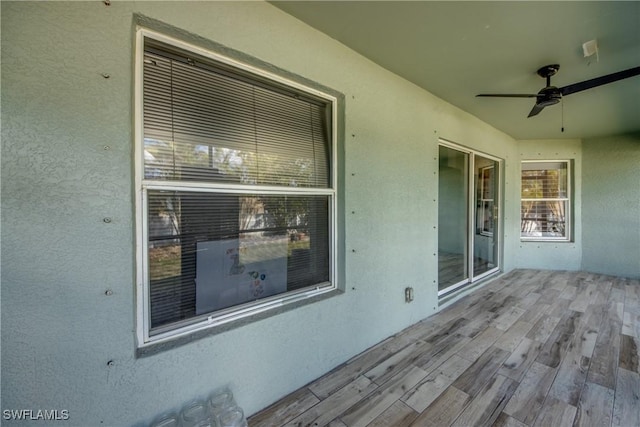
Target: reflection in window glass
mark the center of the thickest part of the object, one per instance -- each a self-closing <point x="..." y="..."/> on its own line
<point x="210" y="251"/>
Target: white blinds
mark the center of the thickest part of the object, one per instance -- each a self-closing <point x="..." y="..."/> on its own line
<point x="200" y="123"/>
<point x="220" y="246"/>
<point x="545" y="200"/>
<point x="544" y="180"/>
<point x="259" y="225"/>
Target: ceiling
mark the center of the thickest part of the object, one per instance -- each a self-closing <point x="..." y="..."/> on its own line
<point x="456" y="50"/>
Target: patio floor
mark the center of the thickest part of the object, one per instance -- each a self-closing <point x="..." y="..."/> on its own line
<point x="531" y="348"/>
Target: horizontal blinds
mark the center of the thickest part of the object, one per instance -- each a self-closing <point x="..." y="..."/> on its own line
<point x="545" y="199"/>
<point x="538" y="166"/>
<point x="544" y="218"/>
<point x="544" y="183"/>
<point x="204" y="125"/>
<point x="294" y="229"/>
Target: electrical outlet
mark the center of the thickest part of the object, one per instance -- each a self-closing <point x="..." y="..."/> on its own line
<point x="408" y="294"/>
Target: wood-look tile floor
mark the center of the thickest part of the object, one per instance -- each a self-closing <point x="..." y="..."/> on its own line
<point x="532" y="348"/>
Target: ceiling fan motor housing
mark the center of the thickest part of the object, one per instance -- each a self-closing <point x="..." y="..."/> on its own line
<point x="549" y="95"/>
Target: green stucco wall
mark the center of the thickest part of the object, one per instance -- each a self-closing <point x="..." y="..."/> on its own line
<point x="611" y="205"/>
<point x="67" y="164"/>
<point x="606" y="207"/>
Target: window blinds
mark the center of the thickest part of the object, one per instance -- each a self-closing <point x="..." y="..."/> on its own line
<point x="202" y="124"/>
<point x="544" y="180"/>
<point x="264" y="227"/>
<point x="545" y="200"/>
<point x="206" y="123"/>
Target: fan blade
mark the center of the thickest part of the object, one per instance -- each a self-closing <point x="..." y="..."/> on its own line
<point x="599" y="81"/>
<point x="535" y="110"/>
<point x="509" y="95"/>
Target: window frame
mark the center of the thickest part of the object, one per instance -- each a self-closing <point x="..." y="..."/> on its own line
<point x="486" y="175"/>
<point x="569" y="201"/>
<point x="242" y="313"/>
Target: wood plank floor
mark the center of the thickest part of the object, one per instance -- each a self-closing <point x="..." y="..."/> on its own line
<point x="532" y="348"/>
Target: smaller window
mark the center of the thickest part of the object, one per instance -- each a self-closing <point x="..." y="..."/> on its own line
<point x="544" y="213"/>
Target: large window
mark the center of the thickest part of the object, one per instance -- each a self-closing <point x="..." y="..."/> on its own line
<point x="237" y="189"/>
<point x="545" y="207"/>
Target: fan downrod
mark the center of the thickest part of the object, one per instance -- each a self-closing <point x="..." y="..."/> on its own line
<point x="547" y="71"/>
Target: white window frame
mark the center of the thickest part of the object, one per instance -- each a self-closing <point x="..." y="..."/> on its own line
<point x="142" y="185"/>
<point x="568" y="214"/>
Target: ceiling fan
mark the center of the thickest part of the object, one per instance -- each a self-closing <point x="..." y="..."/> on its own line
<point x="551" y="95"/>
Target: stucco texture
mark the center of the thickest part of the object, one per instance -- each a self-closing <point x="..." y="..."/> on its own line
<point x="611" y="205"/>
<point x="67" y="165"/>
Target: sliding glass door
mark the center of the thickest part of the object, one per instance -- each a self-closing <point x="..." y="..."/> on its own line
<point x="468" y="212"/>
<point x="453" y="205"/>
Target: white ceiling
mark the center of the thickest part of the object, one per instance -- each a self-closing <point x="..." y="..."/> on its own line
<point x="456" y="50"/>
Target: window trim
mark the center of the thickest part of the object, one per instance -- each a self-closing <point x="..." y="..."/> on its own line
<point x="567" y="238"/>
<point x="481" y="184"/>
<point x="245" y="312"/>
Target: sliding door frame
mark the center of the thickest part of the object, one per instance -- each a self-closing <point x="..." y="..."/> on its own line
<point x="471" y="215"/>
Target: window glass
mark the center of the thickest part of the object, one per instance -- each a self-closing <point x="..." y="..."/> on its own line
<point x="210" y="251"/>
